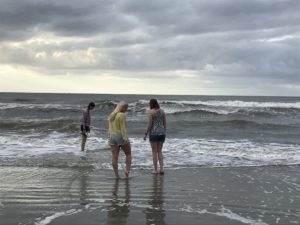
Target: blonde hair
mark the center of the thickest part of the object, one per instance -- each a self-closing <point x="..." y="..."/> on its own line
<point x="120" y="106"/>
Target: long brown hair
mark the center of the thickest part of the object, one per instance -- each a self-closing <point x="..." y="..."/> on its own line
<point x="153" y="104"/>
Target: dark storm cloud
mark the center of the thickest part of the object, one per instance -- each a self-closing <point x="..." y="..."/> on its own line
<point x="25" y="18"/>
<point x="190" y="17"/>
<point x="168" y="17"/>
<point x="227" y="39"/>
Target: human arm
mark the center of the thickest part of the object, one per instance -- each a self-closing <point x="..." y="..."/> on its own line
<point x="84" y="121"/>
<point x="123" y="126"/>
<point x="165" y="121"/>
<point x="109" y="130"/>
<point x="149" y="124"/>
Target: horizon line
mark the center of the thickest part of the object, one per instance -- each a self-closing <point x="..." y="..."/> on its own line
<point x="84" y="93"/>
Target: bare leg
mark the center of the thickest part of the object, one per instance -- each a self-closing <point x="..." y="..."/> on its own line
<point x="83" y="141"/>
<point x="160" y="157"/>
<point x="154" y="156"/>
<point x="115" y="149"/>
<point x="127" y="150"/>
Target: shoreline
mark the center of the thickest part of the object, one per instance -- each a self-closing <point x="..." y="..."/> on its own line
<point x="218" y="195"/>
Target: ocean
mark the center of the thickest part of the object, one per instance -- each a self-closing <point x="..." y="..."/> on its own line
<point x="202" y="131"/>
<point x="228" y="160"/>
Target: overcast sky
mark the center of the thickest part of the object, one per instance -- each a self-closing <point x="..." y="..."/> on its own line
<point x="205" y="47"/>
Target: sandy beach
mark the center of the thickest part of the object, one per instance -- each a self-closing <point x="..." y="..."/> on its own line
<point x="243" y="195"/>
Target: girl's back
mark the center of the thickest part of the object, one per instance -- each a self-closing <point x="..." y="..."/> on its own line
<point x="158" y="127"/>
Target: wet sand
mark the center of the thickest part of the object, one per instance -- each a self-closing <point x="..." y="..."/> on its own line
<point x="244" y="195"/>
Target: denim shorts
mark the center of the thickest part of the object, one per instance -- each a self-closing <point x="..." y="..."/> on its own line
<point x="157" y="138"/>
<point x="116" y="139"/>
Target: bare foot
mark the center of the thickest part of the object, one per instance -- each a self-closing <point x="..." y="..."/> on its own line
<point x="127" y="174"/>
<point x="154" y="172"/>
<point x="161" y="172"/>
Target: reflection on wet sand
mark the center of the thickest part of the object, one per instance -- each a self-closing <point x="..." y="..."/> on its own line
<point x="118" y="210"/>
<point x="155" y="213"/>
<point x="84" y="175"/>
<point x="77" y="187"/>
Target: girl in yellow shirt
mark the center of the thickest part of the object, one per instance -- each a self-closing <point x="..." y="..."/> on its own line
<point x="117" y="132"/>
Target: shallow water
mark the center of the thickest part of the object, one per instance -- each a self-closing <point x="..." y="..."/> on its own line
<point x="43" y="129"/>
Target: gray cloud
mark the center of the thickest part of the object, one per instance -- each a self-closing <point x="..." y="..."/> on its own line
<point x="224" y="40"/>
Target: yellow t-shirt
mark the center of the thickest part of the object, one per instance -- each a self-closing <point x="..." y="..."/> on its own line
<point x="118" y="125"/>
